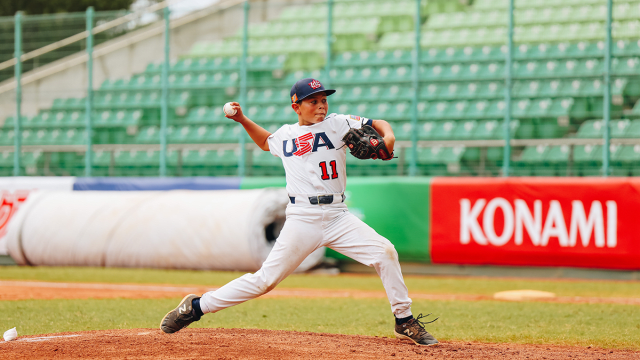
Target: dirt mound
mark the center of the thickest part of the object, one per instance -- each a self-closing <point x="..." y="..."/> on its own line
<point x="266" y="344"/>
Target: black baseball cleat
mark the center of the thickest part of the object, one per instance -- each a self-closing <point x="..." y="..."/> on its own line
<point x="414" y="330"/>
<point x="180" y="317"/>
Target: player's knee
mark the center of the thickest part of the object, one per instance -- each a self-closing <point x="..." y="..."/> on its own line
<point x="268" y="281"/>
<point x="389" y="252"/>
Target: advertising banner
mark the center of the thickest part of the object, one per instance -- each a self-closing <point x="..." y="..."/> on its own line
<point x="576" y="222"/>
<point x="15" y="190"/>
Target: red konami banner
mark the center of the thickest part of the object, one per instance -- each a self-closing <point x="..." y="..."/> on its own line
<point x="578" y="222"/>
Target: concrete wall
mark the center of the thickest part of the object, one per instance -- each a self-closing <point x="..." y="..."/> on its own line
<point x="130" y="54"/>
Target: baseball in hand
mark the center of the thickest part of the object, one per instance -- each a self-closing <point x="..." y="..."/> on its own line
<point x="229" y="110"/>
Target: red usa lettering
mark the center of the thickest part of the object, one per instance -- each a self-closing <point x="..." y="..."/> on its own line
<point x="519" y="218"/>
<point x="303" y="144"/>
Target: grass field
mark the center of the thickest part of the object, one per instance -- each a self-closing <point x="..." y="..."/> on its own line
<point x="435" y="285"/>
<point x="604" y="325"/>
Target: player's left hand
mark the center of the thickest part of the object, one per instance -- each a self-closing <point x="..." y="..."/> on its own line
<point x="366" y="143"/>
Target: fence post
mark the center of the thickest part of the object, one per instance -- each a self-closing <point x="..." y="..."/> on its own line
<point x="89" y="100"/>
<point x="607" y="94"/>
<point x="164" y="102"/>
<point x="507" y="96"/>
<point x="415" y="67"/>
<point x="243" y="85"/>
<point x="17" y="151"/>
<point x="327" y="69"/>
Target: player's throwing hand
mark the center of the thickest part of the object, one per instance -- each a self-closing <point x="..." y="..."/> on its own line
<point x="238" y="115"/>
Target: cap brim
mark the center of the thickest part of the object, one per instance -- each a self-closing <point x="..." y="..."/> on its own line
<point x="326" y="91"/>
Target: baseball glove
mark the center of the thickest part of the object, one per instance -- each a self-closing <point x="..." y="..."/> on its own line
<point x="366" y="143"/>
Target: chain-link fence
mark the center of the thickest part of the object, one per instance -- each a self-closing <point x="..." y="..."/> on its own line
<point x="489" y="88"/>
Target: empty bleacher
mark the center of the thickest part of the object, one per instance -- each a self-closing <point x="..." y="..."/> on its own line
<point x="557" y="92"/>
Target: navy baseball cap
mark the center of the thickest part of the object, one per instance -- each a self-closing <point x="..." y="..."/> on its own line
<point x="306" y="87"/>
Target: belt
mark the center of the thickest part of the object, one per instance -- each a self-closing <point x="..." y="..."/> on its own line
<point x="319" y="199"/>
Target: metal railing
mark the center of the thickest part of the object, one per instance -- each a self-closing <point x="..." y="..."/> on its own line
<point x="412" y="146"/>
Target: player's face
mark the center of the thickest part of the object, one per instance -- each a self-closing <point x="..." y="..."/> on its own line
<point x="312" y="110"/>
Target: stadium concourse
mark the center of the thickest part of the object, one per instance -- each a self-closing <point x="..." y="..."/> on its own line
<point x="557" y="97"/>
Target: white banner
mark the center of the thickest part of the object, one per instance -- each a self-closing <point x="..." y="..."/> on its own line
<point x="15" y="190"/>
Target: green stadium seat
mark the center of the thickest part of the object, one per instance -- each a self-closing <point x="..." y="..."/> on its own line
<point x="523" y="107"/>
<point x="625" y="66"/>
<point x="351" y="94"/>
<point x="444" y="130"/>
<point x="588" y="159"/>
<point x="558" y="155"/>
<point x="619" y="128"/>
<point x="181" y="135"/>
<point x="590" y="129"/>
<point x="530" y="160"/>
<point x="431" y="92"/>
<point x="204" y="114"/>
<point x="403" y="130"/>
<point x="7" y="137"/>
<point x="380" y="111"/>
<point x="438" y="110"/>
<point x="549" y="128"/>
<point x="426" y="130"/>
<point x="626" y="48"/>
<point x="32" y="162"/>
<point x="146" y="81"/>
<point x="534" y="154"/>
<point x="457" y="110"/>
<point x="148" y="135"/>
<point x="478" y="109"/>
<point x="633" y="130"/>
<point x="397" y="93"/>
<point x="627" y="159"/>
<point x="265" y="164"/>
<point x="439" y="160"/>
<point x="231" y="134"/>
<point x="451" y="91"/>
<point x="110" y="84"/>
<point x="488" y="129"/>
<point x="194" y="134"/>
<point x="492" y="109"/>
<point x="465" y="130"/>
<point x="484" y="90"/>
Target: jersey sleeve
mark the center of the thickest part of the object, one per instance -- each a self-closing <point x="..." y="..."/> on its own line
<point x="275" y="143"/>
<point x="344" y="122"/>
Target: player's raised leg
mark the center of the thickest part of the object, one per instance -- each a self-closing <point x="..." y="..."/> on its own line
<point x="357" y="240"/>
<point x="300" y="236"/>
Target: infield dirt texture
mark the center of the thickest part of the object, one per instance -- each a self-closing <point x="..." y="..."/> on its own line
<point x="269" y="344"/>
<point x="31" y="297"/>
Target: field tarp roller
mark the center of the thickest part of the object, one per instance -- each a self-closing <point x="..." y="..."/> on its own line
<point x="179" y="229"/>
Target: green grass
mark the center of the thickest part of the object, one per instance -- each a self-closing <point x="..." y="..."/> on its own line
<point x="423" y="284"/>
<point x="603" y="325"/>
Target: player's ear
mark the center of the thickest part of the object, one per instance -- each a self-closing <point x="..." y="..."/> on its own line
<point x="296" y="108"/>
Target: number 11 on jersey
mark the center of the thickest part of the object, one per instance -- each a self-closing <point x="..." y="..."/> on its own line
<point x="325" y="174"/>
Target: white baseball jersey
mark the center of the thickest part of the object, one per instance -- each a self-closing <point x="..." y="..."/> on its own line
<point x="313" y="156"/>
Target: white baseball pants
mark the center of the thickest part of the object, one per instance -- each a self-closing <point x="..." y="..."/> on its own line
<point x="307" y="228"/>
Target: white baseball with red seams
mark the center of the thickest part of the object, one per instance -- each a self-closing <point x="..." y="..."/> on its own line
<point x="314" y="160"/>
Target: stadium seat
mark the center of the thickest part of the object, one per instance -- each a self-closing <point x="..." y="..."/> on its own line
<point x="587" y="159"/>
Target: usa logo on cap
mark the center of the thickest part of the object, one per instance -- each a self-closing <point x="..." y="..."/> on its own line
<point x="315" y="84"/>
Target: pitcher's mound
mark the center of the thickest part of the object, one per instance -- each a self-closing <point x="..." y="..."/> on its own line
<point x="522" y="295"/>
<point x="254" y="344"/>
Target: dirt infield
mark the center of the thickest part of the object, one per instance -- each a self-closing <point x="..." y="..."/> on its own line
<point x="267" y="344"/>
<point x="25" y="290"/>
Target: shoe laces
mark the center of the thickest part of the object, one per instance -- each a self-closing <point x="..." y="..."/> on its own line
<point x="420" y="323"/>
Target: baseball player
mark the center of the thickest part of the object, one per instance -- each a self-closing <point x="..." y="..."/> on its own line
<point x="314" y="158"/>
